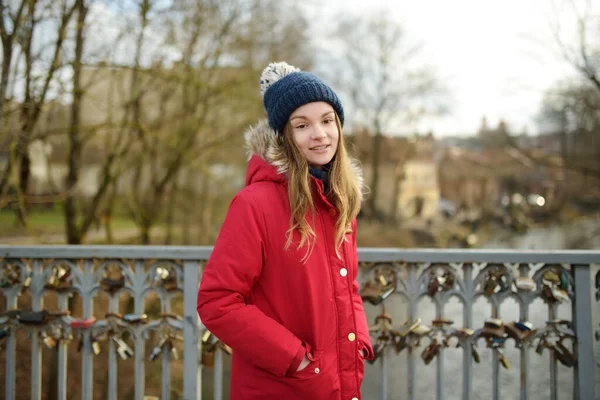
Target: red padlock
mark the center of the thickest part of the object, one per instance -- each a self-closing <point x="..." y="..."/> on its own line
<point x="83" y="323"/>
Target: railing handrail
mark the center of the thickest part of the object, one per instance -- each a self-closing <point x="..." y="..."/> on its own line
<point x="412" y="264"/>
<point x="365" y="254"/>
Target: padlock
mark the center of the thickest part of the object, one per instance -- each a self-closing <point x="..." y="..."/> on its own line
<point x="378" y="350"/>
<point x="551" y="276"/>
<point x="157" y="350"/>
<point x="13" y="313"/>
<point x="563" y="354"/>
<point x="123" y="349"/>
<point x="80" y="323"/>
<point x="542" y="344"/>
<point x="475" y="355"/>
<point x="48" y="341"/>
<point x="33" y="317"/>
<point x="59" y="280"/>
<point x="431" y="351"/>
<point x="519" y="330"/>
<point x="135" y="318"/>
<point x="95" y="345"/>
<point x="525" y="284"/>
<point x="112" y="285"/>
<point x="174" y="354"/>
<point x="166" y="278"/>
<point x="493" y="328"/>
<point x="560" y="295"/>
<point x="503" y="360"/>
<point x="381" y="280"/>
<point x="421" y="330"/>
<point x="489" y="287"/>
<point x="226" y="349"/>
<point x="208" y="359"/>
<point x="464" y="332"/>
<point x="564" y="281"/>
<point x="409" y="327"/>
<point x="399" y="343"/>
<point x="375" y="295"/>
<point x="206" y="336"/>
<point x="441" y="322"/>
<point x="433" y="287"/>
<point x="4" y="333"/>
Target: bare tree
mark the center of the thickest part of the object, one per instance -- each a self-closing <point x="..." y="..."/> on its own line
<point x="583" y="50"/>
<point x="36" y="86"/>
<point x="15" y="18"/>
<point x="382" y="79"/>
<point x="199" y="33"/>
<point x="573" y="113"/>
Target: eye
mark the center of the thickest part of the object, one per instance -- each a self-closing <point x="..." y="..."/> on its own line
<point x="328" y="120"/>
<point x="301" y="126"/>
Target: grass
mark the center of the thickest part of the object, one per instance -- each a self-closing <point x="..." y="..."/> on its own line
<point x="46" y="222"/>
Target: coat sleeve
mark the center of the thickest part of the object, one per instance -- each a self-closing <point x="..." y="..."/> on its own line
<point x="359" y="311"/>
<point x="233" y="268"/>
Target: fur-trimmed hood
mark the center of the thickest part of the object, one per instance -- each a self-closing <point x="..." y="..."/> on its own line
<point x="271" y="163"/>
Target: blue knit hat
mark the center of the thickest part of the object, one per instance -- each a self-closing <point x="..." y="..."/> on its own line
<point x="285" y="88"/>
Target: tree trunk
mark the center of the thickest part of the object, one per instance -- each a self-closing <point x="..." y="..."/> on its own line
<point x="396" y="192"/>
<point x="6" y="61"/>
<point x="74" y="155"/>
<point x="375" y="161"/>
<point x="24" y="175"/>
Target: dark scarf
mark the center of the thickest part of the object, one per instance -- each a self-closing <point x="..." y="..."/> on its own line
<point x="322" y="175"/>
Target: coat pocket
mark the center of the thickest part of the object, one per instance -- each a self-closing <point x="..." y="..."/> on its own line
<point x="313" y="369"/>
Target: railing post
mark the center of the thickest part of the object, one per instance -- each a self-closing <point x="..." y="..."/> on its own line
<point x="87" y="362"/>
<point x="191" y="383"/>
<point x="37" y="304"/>
<point x="584" y="369"/>
<point x="11" y="352"/>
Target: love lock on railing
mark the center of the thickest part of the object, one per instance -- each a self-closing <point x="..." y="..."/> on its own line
<point x="553" y="336"/>
<point x="210" y="345"/>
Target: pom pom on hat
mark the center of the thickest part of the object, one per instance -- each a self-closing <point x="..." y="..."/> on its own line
<point x="272" y="73"/>
<point x="284" y="88"/>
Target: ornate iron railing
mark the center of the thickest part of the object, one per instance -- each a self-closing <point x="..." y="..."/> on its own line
<point x="160" y="317"/>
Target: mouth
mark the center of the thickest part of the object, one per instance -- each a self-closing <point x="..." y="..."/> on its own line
<point x="318" y="148"/>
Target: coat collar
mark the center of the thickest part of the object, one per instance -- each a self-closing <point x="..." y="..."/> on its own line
<point x="267" y="160"/>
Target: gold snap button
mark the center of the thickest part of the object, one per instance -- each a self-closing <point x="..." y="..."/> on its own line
<point x="317" y="370"/>
<point x="343" y="272"/>
<point x="351" y="336"/>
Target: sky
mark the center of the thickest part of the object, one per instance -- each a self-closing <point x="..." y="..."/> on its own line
<point x="496" y="58"/>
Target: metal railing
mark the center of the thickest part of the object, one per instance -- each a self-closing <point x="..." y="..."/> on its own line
<point x="164" y="274"/>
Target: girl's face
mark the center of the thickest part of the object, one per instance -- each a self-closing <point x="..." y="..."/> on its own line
<point x="315" y="132"/>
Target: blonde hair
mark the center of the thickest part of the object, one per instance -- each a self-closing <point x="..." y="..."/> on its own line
<point x="343" y="192"/>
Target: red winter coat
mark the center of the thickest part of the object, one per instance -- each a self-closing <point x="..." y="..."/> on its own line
<point x="272" y="309"/>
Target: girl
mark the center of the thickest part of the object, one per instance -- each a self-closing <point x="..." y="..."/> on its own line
<point x="280" y="286"/>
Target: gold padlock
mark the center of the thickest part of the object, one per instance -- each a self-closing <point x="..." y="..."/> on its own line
<point x="208" y="359"/>
<point x="551" y="276"/>
<point x="48" y="341"/>
<point x="525" y="284"/>
<point x="475" y="355"/>
<point x="95" y="347"/>
<point x="430" y="351"/>
<point x="503" y="360"/>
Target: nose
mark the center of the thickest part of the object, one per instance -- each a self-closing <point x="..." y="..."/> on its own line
<point x="318" y="134"/>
